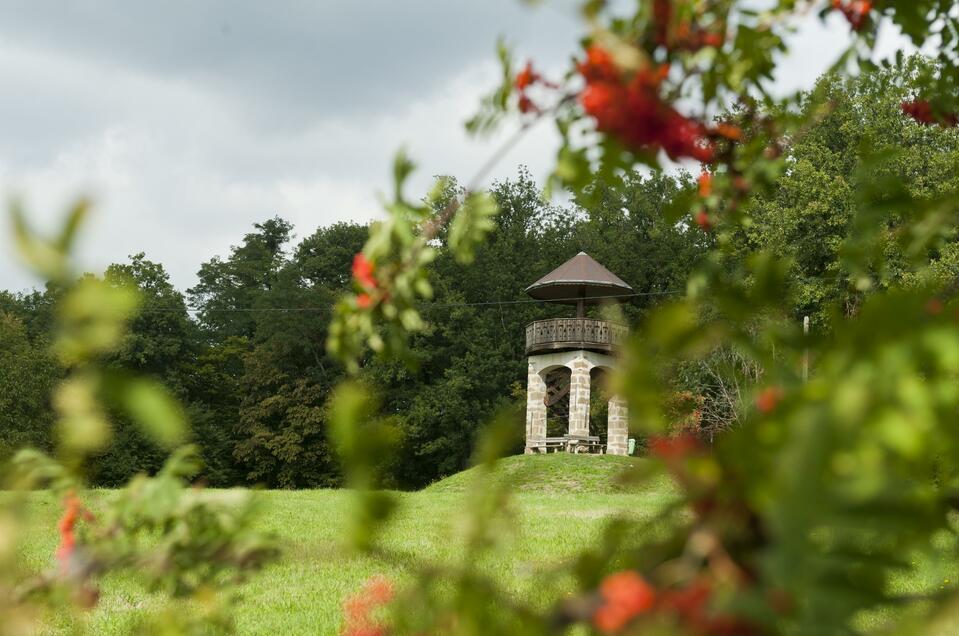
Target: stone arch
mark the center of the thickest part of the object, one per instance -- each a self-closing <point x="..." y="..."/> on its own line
<point x="600" y="394"/>
<point x="556" y="380"/>
<point x="580" y="364"/>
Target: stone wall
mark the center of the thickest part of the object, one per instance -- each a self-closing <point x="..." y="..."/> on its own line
<point x="617" y="427"/>
<point x="580" y="363"/>
<point x="579" y="396"/>
<point x="535" y="405"/>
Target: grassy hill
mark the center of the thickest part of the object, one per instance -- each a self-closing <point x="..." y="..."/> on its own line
<point x="304" y="592"/>
<point x="561" y="505"/>
<point x="556" y="473"/>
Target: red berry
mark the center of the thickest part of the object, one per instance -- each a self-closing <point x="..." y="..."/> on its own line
<point x="856" y="12"/>
<point x="526" y="78"/>
<point x="714" y="40"/>
<point x="363" y="271"/>
<point x="625" y="595"/>
<point x="705" y="183"/>
<point x="526" y="105"/>
<point x="768" y="399"/>
<point x="703" y="221"/>
<point x="673" y="448"/>
<point x="631" y="110"/>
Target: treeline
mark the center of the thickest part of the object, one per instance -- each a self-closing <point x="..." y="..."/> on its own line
<point x="244" y="349"/>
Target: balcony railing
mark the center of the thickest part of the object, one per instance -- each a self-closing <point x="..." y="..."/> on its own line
<point x="557" y="334"/>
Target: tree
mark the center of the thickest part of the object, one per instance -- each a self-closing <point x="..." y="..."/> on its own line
<point x="281" y="420"/>
<point x="161" y="343"/>
<point x="229" y="289"/>
<point x="836" y="170"/>
<point x="28" y="373"/>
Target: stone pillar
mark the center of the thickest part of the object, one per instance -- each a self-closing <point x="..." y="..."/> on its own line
<point x="579" y="397"/>
<point x="535" y="407"/>
<point x="617" y="427"/>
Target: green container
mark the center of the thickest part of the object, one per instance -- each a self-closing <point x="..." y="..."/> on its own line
<point x="632" y="445"/>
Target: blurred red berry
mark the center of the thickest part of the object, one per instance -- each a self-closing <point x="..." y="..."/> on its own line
<point x="690" y="606"/>
<point x="598" y="66"/>
<point x="856" y="12"/>
<point x="768" y="399"/>
<point x="662" y="16"/>
<point x="729" y="131"/>
<point x="380" y="590"/>
<point x="714" y="40"/>
<point x="686" y="601"/>
<point x="676" y="447"/>
<point x="359" y="619"/>
<point x="631" y="110"/>
<point x="922" y="111"/>
<point x="526" y="78"/>
<point x="703" y="221"/>
<point x="72" y="509"/>
<point x="934" y="307"/>
<point x="705" y="183"/>
<point x="625" y="596"/>
<point x="364" y="301"/>
<point x="363" y="271"/>
<point x="526" y="105"/>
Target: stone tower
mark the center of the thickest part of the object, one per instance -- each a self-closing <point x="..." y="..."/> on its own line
<point x="558" y="348"/>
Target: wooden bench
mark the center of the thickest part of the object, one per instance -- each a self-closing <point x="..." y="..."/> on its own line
<point x="583" y="444"/>
<point x="547" y="444"/>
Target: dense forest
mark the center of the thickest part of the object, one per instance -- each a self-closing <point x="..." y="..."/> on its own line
<point x="244" y="349"/>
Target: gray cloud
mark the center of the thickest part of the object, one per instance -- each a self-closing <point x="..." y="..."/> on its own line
<point x="288" y="63"/>
<point x="189" y="121"/>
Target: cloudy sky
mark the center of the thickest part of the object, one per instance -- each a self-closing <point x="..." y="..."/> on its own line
<point x="187" y="121"/>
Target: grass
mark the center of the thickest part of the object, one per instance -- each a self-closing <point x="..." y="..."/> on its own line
<point x="560" y="504"/>
<point x="555" y="473"/>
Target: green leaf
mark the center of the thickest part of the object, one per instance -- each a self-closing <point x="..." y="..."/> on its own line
<point x="75" y="219"/>
<point x="471" y="224"/>
<point x="154" y="410"/>
<point x="403" y="167"/>
<point x="43" y="257"/>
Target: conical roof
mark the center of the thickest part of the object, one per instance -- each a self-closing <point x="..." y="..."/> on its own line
<point x="581" y="277"/>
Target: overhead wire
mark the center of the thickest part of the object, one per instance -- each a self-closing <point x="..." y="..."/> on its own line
<point x="424" y="305"/>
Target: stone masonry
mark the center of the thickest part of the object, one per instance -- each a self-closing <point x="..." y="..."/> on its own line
<point x="579" y="397"/>
<point x="535" y="405"/>
<point x="579" y="363"/>
<point x="617" y="428"/>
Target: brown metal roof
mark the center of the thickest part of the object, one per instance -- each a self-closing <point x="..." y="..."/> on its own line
<point x="579" y="277"/>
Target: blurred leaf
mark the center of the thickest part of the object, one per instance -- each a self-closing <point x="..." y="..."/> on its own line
<point x="472" y="222"/>
<point x="152" y="408"/>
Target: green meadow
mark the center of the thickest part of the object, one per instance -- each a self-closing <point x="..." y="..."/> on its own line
<point x="558" y="506"/>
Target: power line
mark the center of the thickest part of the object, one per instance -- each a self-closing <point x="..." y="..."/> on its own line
<point x="426" y="305"/>
<point x="423" y="305"/>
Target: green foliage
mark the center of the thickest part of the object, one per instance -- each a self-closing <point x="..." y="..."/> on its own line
<point x="28" y="374"/>
<point x="800" y="518"/>
<point x="470" y="225"/>
<point x="228" y="289"/>
<point x="839" y="204"/>
<point x="157" y="528"/>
